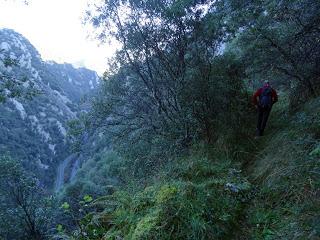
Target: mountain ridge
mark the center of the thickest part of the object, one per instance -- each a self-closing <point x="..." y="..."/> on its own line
<point x="35" y="130"/>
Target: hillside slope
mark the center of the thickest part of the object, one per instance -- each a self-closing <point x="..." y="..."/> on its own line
<point x="208" y="194"/>
<point x="286" y="175"/>
<point x="35" y="130"/>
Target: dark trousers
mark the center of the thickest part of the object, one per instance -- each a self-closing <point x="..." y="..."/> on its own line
<point x="263" y="115"/>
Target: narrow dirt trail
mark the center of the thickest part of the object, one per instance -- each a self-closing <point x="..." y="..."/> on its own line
<point x="256" y="148"/>
<point x="257" y="145"/>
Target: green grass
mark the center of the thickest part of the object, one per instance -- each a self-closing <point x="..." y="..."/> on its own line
<point x="206" y="195"/>
<point x="195" y="198"/>
<point x="286" y="173"/>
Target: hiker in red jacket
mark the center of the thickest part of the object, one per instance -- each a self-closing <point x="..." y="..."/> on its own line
<point x="263" y="99"/>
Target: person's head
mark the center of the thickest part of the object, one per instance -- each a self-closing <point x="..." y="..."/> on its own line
<point x="266" y="83"/>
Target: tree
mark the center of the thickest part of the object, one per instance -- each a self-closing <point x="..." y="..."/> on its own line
<point x="167" y="80"/>
<point x="23" y="207"/>
<point x="11" y="85"/>
<point x="279" y="40"/>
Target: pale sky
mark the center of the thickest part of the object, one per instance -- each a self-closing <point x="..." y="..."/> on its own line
<point x="55" y="28"/>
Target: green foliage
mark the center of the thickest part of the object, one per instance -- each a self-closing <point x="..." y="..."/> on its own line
<point x="59" y="228"/>
<point x="287" y="172"/>
<point x="315" y="152"/>
<point x="169" y="82"/>
<point x="179" y="79"/>
<point x="76" y="128"/>
<point x="11" y="86"/>
<point x="278" y="41"/>
<point x="87" y="199"/>
<point x="96" y="177"/>
<point x="24" y="208"/>
<point x="194" y="201"/>
<point x="65" y="206"/>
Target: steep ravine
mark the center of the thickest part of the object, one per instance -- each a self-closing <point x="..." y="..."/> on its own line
<point x="66" y="171"/>
<point x="35" y="130"/>
<point x="60" y="178"/>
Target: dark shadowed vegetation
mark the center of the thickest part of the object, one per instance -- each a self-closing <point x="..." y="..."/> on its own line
<point x="166" y="149"/>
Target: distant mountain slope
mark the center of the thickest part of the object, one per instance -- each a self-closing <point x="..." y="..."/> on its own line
<point x="36" y="130"/>
<point x="73" y="83"/>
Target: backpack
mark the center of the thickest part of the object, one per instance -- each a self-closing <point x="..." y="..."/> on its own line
<point x="265" y="99"/>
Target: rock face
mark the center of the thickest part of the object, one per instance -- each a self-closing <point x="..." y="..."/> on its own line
<point x="35" y="130"/>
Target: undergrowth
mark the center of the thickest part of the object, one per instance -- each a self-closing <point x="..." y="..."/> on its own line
<point x="207" y="195"/>
<point x="287" y="175"/>
<point x="195" y="198"/>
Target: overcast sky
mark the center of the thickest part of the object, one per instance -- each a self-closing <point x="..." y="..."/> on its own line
<point x="55" y="28"/>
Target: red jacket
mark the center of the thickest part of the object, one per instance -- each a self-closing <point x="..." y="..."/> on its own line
<point x="259" y="92"/>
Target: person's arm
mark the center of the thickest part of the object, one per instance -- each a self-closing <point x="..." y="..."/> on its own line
<point x="255" y="97"/>
<point x="274" y="96"/>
